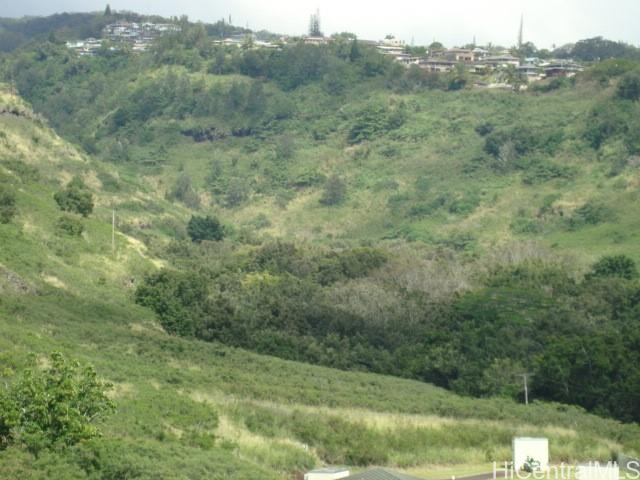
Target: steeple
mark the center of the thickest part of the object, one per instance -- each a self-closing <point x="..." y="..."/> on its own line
<point x="521" y="32"/>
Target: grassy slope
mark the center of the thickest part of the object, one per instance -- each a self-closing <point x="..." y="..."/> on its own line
<point x="276" y="417"/>
<point x="437" y="143"/>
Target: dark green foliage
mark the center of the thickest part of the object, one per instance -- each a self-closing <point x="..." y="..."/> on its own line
<point x="606" y="120"/>
<point x="373" y="121"/>
<point x="553" y="84"/>
<point x="606" y="70"/>
<point x="591" y="213"/>
<point x="544" y="171"/>
<point x="484" y="129"/>
<point x="349" y="264"/>
<point x="525" y="140"/>
<point x="335" y="191"/>
<point x="205" y="228"/>
<point x="619" y="266"/>
<point x="54" y="407"/>
<point x="598" y="48"/>
<point x="629" y="86"/>
<point x="26" y="172"/>
<point x="68" y="225"/>
<point x="75" y="198"/>
<point x="354" y="53"/>
<point x="458" y="78"/>
<point x="474" y="344"/>
<point x="7" y="204"/>
<point x="178" y="299"/>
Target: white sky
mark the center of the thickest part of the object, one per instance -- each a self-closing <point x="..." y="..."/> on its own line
<point x="547" y="22"/>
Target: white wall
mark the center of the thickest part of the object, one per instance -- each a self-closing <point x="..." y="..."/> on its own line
<point x="319" y="475"/>
<point x="536" y="448"/>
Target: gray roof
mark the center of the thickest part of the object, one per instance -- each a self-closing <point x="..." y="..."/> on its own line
<point x="381" y="474"/>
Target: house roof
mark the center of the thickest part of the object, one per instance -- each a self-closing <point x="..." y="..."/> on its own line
<point x="380" y="474"/>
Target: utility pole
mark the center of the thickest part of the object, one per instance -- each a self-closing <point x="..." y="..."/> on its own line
<point x="113" y="232"/>
<point x="525" y="377"/>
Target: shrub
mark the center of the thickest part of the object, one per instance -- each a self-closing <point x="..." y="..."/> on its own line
<point x="607" y="119"/>
<point x="68" y="225"/>
<point x="75" y="198"/>
<point x="7" y="204"/>
<point x="334" y="192"/>
<point x="57" y="406"/>
<point x="205" y="228"/>
<point x="525" y="140"/>
<point x="614" y="266"/>
<point x="237" y="192"/>
<point x="183" y="191"/>
<point x="591" y="213"/>
<point x="544" y="171"/>
<point x="629" y="86"/>
<point x="526" y="225"/>
<point x="484" y="129"/>
<point x="375" y="120"/>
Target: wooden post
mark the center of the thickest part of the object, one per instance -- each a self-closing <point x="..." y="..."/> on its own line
<point x="113" y="232"/>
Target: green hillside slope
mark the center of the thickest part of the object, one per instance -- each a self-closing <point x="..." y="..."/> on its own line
<point x="270" y="418"/>
<point x="406" y="246"/>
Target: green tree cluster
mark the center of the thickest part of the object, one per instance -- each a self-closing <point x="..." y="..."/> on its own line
<point x="75" y="198"/>
<point x="54" y="407"/>
<point x="205" y="228"/>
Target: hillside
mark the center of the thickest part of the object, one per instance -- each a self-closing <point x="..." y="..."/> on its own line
<point x="74" y="296"/>
<point x="372" y="222"/>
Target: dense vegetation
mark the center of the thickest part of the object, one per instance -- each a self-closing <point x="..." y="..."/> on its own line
<point x="322" y="205"/>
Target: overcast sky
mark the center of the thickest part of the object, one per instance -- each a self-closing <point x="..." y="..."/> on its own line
<point x="546" y="22"/>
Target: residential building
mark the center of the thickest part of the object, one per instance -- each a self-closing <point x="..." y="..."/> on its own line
<point x="458" y="55"/>
<point x="437" y="65"/>
<point x="500" y="61"/>
<point x="562" y="68"/>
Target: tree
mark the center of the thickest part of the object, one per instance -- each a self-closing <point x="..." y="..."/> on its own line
<point x="334" y="192"/>
<point x="183" y="191"/>
<point x="314" y="25"/>
<point x="614" y="266"/>
<point x="355" y="53"/>
<point x="629" y="86"/>
<point x="515" y="78"/>
<point x="107" y="10"/>
<point x="205" y="228"/>
<point x="58" y="406"/>
<point x="256" y="100"/>
<point x="237" y="192"/>
<point x="457" y="78"/>
<point x="7" y="204"/>
<point x="75" y="198"/>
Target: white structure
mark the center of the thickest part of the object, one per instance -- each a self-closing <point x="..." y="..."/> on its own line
<point x="536" y="449"/>
<point x="598" y="471"/>
<point x="330" y="473"/>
